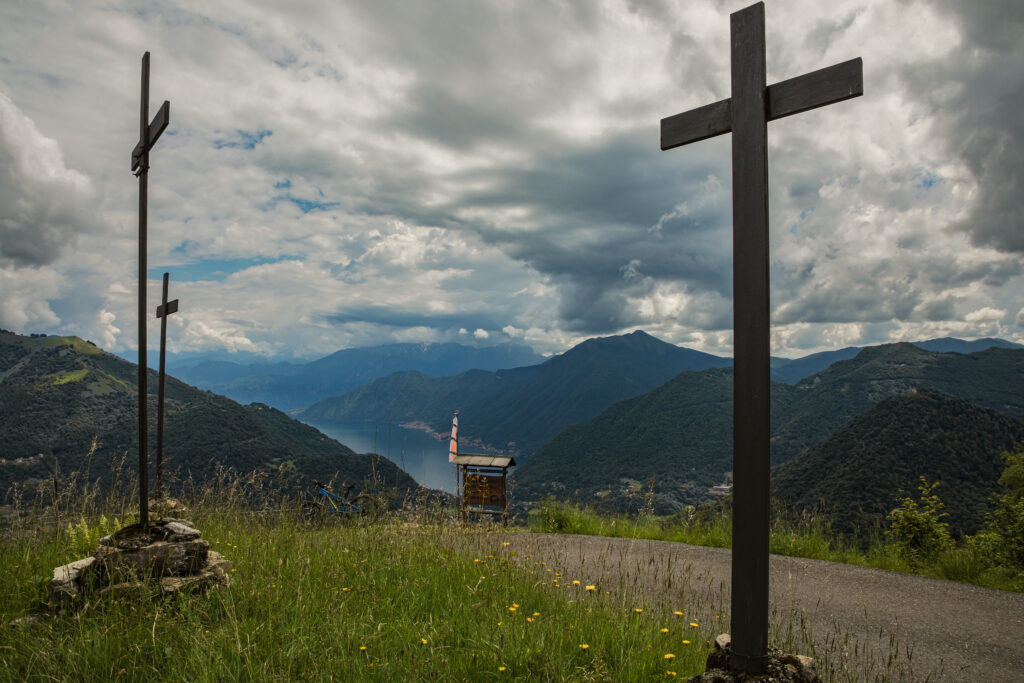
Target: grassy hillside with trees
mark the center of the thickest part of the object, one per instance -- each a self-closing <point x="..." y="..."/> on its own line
<point x="857" y="476"/>
<point x="60" y="394"/>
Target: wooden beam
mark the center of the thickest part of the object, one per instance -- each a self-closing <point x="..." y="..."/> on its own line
<point x="816" y="89"/>
<point x="697" y="124"/>
<point x="158" y="126"/>
<point x="785" y="98"/>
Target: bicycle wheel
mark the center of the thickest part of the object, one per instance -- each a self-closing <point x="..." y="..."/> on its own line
<point x="312" y="513"/>
<point x="369" y="507"/>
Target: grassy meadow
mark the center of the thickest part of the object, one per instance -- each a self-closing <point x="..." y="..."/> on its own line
<point x="414" y="596"/>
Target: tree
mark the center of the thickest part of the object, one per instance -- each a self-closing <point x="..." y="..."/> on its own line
<point x="1002" y="539"/>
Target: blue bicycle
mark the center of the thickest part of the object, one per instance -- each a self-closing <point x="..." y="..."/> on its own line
<point x="325" y="504"/>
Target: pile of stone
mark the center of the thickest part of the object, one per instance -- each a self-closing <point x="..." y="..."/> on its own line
<point x="779" y="667"/>
<point x="169" y="556"/>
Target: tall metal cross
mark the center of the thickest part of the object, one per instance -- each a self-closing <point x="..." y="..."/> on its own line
<point x="746" y="115"/>
<point x="165" y="309"/>
<point x="148" y="134"/>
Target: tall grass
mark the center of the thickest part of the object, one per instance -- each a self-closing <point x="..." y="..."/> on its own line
<point x="415" y="597"/>
<point x="807" y="535"/>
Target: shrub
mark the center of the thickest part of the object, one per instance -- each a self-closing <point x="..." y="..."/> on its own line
<point x="916" y="528"/>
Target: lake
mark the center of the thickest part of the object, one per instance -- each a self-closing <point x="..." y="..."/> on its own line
<point x="422" y="456"/>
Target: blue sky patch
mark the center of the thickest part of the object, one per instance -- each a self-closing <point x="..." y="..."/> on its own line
<point x="206" y="270"/>
<point x="243" y="139"/>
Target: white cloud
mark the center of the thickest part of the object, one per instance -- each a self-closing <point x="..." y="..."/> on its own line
<point x="480" y="334"/>
<point x="341" y="174"/>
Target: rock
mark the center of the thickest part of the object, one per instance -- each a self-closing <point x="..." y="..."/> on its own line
<point x="779" y="667"/>
<point x="165" y="558"/>
<point x="156" y="560"/>
<point x="67" y="582"/>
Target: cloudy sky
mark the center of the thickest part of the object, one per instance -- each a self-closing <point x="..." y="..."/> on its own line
<point x="356" y="172"/>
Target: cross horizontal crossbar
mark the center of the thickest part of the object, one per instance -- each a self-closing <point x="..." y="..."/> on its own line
<point x="158" y="125"/>
<point x="172" y="307"/>
<point x="785" y="98"/>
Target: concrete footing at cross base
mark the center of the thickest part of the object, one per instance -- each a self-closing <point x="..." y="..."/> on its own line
<point x="779" y="667"/>
<point x="167" y="558"/>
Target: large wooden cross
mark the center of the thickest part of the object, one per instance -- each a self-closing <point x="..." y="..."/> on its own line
<point x="746" y="115"/>
<point x="148" y="134"/>
<point x="165" y="309"/>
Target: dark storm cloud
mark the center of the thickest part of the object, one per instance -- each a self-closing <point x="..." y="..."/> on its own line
<point x="394" y="317"/>
<point x="977" y="93"/>
<point x="592" y="210"/>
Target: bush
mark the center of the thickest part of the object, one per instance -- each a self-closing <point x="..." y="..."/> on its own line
<point x="916" y="528"/>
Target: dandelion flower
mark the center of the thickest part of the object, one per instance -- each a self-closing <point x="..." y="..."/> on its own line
<point x="423" y="640"/>
<point x="670" y="673"/>
<point x="670" y="656"/>
<point x="575" y="582"/>
<point x="686" y="642"/>
<point x="678" y="613"/>
<point x="506" y="544"/>
<point x="638" y="610"/>
<point x="499" y="623"/>
<point x="501" y="668"/>
<point x="583" y="646"/>
<point x="694" y="624"/>
<point x="529" y="619"/>
<point x="511" y="609"/>
<point x="591" y="587"/>
<point x="536" y="614"/>
<point x="515" y="604"/>
<point x="362" y="648"/>
<point x="664" y="630"/>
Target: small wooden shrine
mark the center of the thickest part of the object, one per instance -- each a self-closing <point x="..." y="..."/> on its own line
<point x="483" y="479"/>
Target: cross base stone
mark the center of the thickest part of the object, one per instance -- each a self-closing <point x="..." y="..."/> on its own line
<point x="778" y="667"/>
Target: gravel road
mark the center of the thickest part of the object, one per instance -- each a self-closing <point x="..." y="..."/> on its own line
<point x="859" y="624"/>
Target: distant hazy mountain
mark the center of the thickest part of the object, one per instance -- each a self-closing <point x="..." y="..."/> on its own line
<point x="58" y="393"/>
<point x="518" y="410"/>
<point x="856" y="475"/>
<point x="288" y="386"/>
<point x="682" y="431"/>
<point x="792" y="371"/>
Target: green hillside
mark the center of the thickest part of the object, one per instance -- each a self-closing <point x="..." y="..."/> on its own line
<point x="681" y="433"/>
<point x="519" y="410"/>
<point x="856" y="475"/>
<point x="59" y="393"/>
<point x="992" y="379"/>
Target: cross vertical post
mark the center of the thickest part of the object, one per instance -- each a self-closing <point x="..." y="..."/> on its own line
<point x="751" y="379"/>
<point x="745" y="115"/>
<point x="165" y="309"/>
<point x="148" y="134"/>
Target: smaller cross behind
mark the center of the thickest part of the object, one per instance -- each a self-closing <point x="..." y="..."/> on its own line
<point x="162" y="311"/>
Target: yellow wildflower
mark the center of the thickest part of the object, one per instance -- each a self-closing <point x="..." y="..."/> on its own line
<point x="664" y="630"/>
<point x="686" y="642"/>
<point x="670" y="656"/>
<point x="591" y="587"/>
<point x="583" y="646"/>
<point x="423" y="640"/>
<point x="694" y="624"/>
<point x="501" y="668"/>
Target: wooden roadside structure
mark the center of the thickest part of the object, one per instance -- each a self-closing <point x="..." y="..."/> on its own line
<point x="483" y="486"/>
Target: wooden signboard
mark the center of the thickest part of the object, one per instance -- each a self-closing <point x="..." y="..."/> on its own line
<point x="485" y="489"/>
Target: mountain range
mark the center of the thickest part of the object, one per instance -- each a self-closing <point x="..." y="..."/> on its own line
<point x="57" y="394"/>
<point x="288" y="385"/>
<point x="518" y="410"/>
<point x="682" y="431"/>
